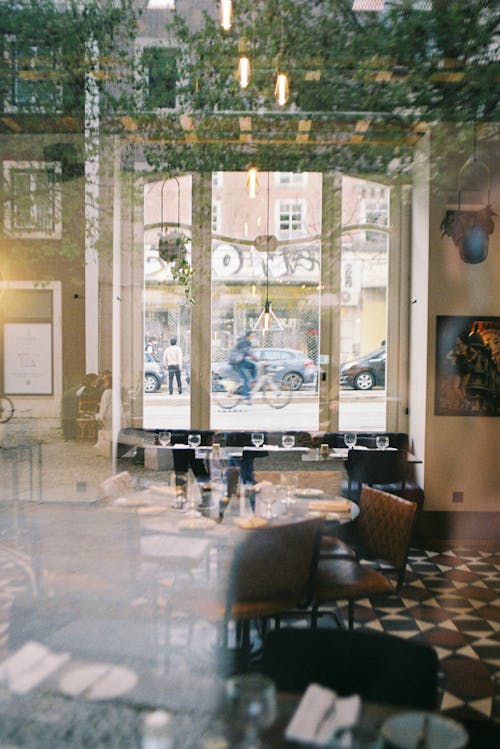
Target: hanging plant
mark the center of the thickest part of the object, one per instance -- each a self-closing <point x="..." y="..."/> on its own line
<point x="470" y="232"/>
<point x="182" y="273"/>
<point x="172" y="246"/>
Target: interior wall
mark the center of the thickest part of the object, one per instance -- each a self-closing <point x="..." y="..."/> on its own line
<point x="461" y="452"/>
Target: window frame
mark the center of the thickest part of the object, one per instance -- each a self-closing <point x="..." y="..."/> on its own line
<point x="31" y="168"/>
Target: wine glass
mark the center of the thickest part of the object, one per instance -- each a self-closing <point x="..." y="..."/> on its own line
<point x="194" y="440"/>
<point x="267" y="494"/>
<point x="382" y="441"/>
<point x="290" y="481"/>
<point x="257" y="439"/>
<point x="164" y="438"/>
<point x="350" y="439"/>
<point x="288" y="440"/>
<point x="251" y="703"/>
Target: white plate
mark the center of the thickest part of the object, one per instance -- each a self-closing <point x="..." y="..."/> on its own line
<point x="309" y="492"/>
<point x="403" y="730"/>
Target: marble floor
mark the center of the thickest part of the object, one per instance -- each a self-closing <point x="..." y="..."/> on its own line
<point x="87" y="609"/>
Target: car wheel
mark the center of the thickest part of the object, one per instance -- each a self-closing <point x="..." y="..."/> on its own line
<point x="151" y="384"/>
<point x="364" y="381"/>
<point x="293" y="380"/>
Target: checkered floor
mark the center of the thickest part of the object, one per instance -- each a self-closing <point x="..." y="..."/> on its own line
<point x="451" y="599"/>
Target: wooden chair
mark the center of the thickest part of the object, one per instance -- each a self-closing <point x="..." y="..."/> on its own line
<point x="377" y="666"/>
<point x="384" y="530"/>
<point x="270" y="574"/>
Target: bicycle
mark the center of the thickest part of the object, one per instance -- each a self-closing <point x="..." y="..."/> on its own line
<point x="228" y="392"/>
<point x="6" y="409"/>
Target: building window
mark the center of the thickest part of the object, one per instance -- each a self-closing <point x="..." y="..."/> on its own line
<point x="34" y="77"/>
<point x="160" y="76"/>
<point x="33" y="209"/>
<point x="291" y="179"/>
<point x="217" y="179"/>
<point x="292" y="218"/>
<point x="216" y="216"/>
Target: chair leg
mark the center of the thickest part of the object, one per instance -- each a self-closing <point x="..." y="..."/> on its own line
<point x="350" y="610"/>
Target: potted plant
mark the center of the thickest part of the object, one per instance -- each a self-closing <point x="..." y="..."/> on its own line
<point x="171" y="246"/>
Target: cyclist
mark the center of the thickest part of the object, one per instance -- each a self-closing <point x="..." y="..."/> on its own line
<point x="243" y="360"/>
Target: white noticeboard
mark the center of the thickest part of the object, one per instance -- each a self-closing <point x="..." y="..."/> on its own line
<point x="28" y="358"/>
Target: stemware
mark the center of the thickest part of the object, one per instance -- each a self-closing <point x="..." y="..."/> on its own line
<point x="252" y="704"/>
<point x="257" y="439"/>
<point x="164" y="438"/>
<point x="290" y="481"/>
<point x="267" y="494"/>
<point x="350" y="439"/>
<point x="382" y="441"/>
<point x="194" y="440"/>
<point x="288" y="440"/>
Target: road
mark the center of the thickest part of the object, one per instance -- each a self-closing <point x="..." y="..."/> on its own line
<point x="358" y="411"/>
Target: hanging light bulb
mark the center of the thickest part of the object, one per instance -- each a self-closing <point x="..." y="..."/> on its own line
<point x="244" y="72"/>
<point x="252" y="185"/>
<point x="226" y="14"/>
<point x="281" y="91"/>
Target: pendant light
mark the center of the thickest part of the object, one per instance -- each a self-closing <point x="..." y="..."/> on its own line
<point x="252" y="185"/>
<point x="226" y="14"/>
<point x="281" y="90"/>
<point x="244" y="71"/>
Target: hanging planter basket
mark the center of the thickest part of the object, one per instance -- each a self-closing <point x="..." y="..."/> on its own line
<point x="171" y="246"/>
<point x="470" y="230"/>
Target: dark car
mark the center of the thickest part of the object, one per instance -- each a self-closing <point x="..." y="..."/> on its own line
<point x="154" y="374"/>
<point x="365" y="372"/>
<point x="289" y="366"/>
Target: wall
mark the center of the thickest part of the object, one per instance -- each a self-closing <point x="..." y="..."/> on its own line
<point x="460" y="452"/>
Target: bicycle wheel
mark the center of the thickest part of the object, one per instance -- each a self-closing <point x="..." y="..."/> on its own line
<point x="276" y="395"/>
<point x="6" y="409"/>
<point x="225" y="393"/>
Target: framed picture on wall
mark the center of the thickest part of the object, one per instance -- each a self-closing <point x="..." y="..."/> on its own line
<point x="467" y="366"/>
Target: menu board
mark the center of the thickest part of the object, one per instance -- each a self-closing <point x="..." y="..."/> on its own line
<point x="28" y="359"/>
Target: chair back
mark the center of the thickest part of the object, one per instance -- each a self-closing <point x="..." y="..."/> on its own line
<point x="379" y="667"/>
<point x="376" y="466"/>
<point x="384" y="526"/>
<point x="276" y="561"/>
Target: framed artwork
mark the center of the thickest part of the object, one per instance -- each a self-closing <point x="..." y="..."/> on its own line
<point x="467" y="366"/>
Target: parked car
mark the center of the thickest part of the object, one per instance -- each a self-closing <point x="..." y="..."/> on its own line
<point x="154" y="374"/>
<point x="289" y="366"/>
<point x="365" y="372"/>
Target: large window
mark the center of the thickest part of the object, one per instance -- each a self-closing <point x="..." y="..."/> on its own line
<point x="34" y="204"/>
<point x="34" y="78"/>
<point x="160" y="77"/>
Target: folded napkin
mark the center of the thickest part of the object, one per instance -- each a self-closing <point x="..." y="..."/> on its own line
<point x="29" y="666"/>
<point x="320" y="714"/>
<point x="330" y="505"/>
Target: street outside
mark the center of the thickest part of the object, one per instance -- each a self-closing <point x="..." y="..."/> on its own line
<point x="358" y="411"/>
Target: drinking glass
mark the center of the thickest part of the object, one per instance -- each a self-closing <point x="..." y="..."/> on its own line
<point x="165" y="438"/>
<point x="288" y="440"/>
<point x="251" y="703"/>
<point x="350" y="439"/>
<point x="194" y="440"/>
<point x="268" y="496"/>
<point x="257" y="439"/>
<point x="290" y="481"/>
<point x="382" y="441"/>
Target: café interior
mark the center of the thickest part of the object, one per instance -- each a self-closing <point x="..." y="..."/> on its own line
<point x="316" y="563"/>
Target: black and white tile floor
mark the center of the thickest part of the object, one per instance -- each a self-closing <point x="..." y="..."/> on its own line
<point x="451" y="599"/>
